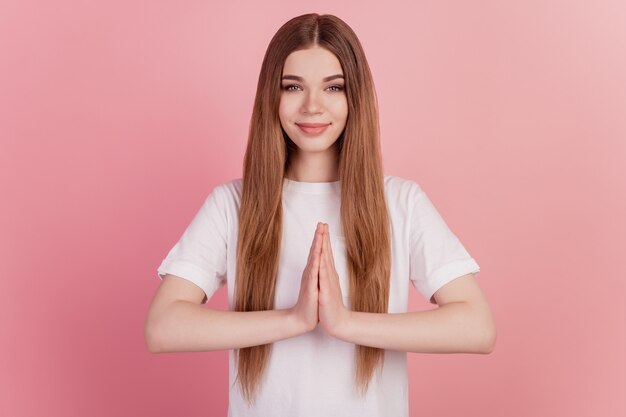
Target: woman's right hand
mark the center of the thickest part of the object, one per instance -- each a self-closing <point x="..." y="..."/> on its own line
<point x="306" y="309"/>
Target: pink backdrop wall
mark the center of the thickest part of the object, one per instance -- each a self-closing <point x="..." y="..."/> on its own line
<point x="118" y="118"/>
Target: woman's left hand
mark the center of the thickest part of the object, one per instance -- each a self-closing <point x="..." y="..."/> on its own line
<point x="333" y="314"/>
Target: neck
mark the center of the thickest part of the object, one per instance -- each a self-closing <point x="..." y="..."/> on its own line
<point x="314" y="167"/>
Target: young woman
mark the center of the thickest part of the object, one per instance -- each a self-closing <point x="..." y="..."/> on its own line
<point x="317" y="248"/>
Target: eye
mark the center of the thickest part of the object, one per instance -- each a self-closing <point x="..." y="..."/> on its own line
<point x="336" y="88"/>
<point x="288" y="87"/>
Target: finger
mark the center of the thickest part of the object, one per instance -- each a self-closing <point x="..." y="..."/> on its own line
<point x="322" y="260"/>
<point x="314" y="244"/>
<point x="319" y="233"/>
<point x="317" y="250"/>
<point x="314" y="274"/>
<point x="329" y="264"/>
<point x="329" y="251"/>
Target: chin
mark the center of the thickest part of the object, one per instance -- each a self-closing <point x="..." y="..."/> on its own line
<point x="308" y="145"/>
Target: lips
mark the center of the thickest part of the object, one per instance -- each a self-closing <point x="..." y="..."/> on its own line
<point x="313" y="128"/>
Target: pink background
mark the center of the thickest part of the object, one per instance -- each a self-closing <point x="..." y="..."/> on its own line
<point x="118" y="118"/>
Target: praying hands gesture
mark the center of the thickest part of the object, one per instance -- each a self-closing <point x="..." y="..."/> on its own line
<point x="461" y="323"/>
<point x="320" y="299"/>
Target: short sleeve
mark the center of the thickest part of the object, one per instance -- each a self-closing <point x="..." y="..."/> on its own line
<point x="200" y="254"/>
<point x="436" y="254"/>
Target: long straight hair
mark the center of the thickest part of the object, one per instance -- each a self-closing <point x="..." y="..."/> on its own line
<point x="364" y="215"/>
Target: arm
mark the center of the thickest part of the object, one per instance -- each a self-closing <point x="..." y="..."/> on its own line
<point x="462" y="323"/>
<point x="177" y="322"/>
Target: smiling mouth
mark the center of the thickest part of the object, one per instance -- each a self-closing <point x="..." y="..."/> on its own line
<point x="312" y="124"/>
<point x="313" y="128"/>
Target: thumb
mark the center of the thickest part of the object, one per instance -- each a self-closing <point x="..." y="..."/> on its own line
<point x="315" y="261"/>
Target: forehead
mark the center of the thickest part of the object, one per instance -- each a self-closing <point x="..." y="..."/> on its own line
<point x="312" y="63"/>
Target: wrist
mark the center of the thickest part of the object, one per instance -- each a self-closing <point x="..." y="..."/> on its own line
<point x="296" y="325"/>
<point x="342" y="329"/>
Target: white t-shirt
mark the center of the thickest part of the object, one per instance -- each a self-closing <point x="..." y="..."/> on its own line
<point x="313" y="374"/>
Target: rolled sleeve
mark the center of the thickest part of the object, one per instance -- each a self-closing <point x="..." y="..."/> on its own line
<point x="199" y="256"/>
<point x="436" y="254"/>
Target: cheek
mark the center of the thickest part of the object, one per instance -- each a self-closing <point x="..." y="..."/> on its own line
<point x="286" y="109"/>
<point x="340" y="109"/>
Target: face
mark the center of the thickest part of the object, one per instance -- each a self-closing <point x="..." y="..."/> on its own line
<point x="313" y="106"/>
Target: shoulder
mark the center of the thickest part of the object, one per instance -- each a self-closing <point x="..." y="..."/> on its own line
<point x="227" y="191"/>
<point x="223" y="197"/>
<point x="401" y="190"/>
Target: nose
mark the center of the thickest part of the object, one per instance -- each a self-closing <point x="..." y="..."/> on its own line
<point x="311" y="103"/>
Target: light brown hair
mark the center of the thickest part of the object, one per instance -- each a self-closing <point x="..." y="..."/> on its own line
<point x="364" y="214"/>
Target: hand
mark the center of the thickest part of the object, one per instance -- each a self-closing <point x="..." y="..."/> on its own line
<point x="306" y="308"/>
<point x="333" y="314"/>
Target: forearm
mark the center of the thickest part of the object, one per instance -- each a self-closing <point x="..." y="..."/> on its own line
<point x="453" y="328"/>
<point x="185" y="326"/>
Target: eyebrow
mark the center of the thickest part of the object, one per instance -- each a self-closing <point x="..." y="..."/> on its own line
<point x="295" y="77"/>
